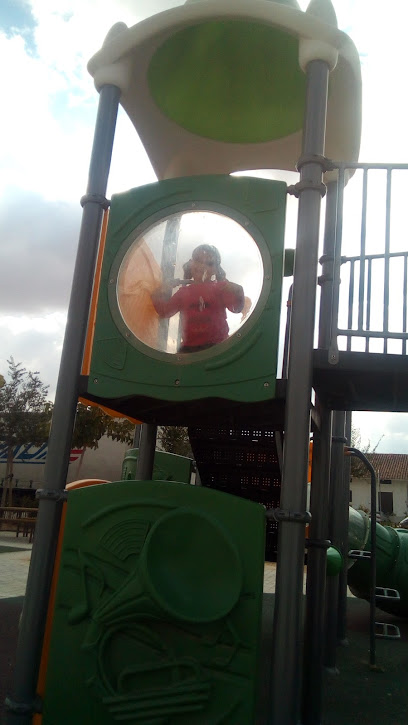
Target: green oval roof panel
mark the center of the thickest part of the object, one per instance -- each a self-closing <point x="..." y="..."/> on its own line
<point x="254" y="92"/>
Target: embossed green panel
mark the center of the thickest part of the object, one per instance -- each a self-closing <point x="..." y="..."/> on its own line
<point x="158" y="607"/>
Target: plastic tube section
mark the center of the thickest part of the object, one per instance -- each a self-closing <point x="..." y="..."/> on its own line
<point x="392" y="562"/>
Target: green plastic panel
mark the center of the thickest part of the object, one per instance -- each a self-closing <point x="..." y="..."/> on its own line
<point x="167" y="466"/>
<point x="243" y="368"/>
<point x="254" y="100"/>
<point x="158" y="607"/>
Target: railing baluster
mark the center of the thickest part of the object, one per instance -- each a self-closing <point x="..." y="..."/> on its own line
<point x="404" y="305"/>
<point x="368" y="310"/>
<point x="387" y="259"/>
<point x="351" y="300"/>
<point x="334" y="350"/>
<point x="362" y="252"/>
<point x="363" y="327"/>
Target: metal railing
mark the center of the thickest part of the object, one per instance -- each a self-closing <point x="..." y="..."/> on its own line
<point x="369" y="310"/>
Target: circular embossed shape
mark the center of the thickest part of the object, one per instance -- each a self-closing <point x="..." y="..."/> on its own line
<point x="191" y="567"/>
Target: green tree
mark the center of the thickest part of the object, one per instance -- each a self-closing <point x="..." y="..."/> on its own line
<point x="174" y="439"/>
<point x="25" y="415"/>
<point x="91" y="423"/>
<point x="358" y="469"/>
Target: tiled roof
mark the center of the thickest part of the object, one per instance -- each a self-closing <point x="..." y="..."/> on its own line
<point x="390" y="465"/>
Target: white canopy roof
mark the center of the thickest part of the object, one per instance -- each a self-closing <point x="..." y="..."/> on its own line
<point x="192" y="117"/>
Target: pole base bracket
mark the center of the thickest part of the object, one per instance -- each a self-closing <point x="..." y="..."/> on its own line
<point x="45" y="494"/>
<point x="23" y="708"/>
<point x="297" y="517"/>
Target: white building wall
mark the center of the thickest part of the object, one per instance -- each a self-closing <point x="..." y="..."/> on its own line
<point x="360" y="490"/>
<point x="361" y="493"/>
<point x="104" y="462"/>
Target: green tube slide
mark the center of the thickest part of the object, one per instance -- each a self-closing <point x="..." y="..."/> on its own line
<point x="391" y="561"/>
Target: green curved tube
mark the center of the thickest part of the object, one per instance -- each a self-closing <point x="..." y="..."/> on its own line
<point x="392" y="562"/>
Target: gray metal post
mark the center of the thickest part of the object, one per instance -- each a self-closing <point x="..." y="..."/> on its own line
<point x="286" y="649"/>
<point x="145" y="461"/>
<point x="329" y="288"/>
<point x="327" y="261"/>
<point x="338" y="534"/>
<point x="20" y="705"/>
<point x="339" y="475"/>
<point x="316" y="572"/>
<point x="167" y="266"/>
<point x="136" y="436"/>
<point x="345" y="504"/>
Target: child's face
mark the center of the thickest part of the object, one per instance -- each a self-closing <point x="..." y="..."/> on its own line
<point x="202" y="266"/>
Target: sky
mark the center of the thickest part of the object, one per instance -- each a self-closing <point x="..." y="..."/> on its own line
<point x="47" y="122"/>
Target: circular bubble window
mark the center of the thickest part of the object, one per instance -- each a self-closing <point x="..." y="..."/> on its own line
<point x="189" y="281"/>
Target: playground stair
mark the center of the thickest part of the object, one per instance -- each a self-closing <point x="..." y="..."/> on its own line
<point x="386" y="630"/>
<point x="244" y="461"/>
<point x="383" y="630"/>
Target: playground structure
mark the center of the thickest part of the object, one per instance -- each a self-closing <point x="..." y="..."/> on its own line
<point x="159" y="585"/>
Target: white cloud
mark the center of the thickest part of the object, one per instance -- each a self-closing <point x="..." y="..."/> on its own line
<point x="71" y="31"/>
<point x="50" y="129"/>
<point x="39" y="241"/>
<point x="40" y="154"/>
<point x="36" y="342"/>
<point x="384" y="432"/>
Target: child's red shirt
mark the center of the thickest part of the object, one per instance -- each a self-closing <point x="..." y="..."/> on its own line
<point x="202" y="307"/>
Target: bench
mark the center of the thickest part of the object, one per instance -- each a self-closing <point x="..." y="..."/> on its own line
<point x="22" y="520"/>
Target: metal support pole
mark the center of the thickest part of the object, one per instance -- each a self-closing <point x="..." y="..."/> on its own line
<point x="145" y="461"/>
<point x="345" y="505"/>
<point x="286" y="647"/>
<point x="20" y="705"/>
<point x="338" y="534"/>
<point x="285" y="361"/>
<point x="316" y="572"/>
<point x="338" y="528"/>
<point x="327" y="261"/>
<point x="136" y="436"/>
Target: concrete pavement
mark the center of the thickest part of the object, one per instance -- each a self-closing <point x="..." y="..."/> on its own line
<point x="14" y="566"/>
<point x="15" y="553"/>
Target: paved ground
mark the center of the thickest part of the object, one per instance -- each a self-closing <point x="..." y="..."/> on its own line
<point x="14" y="566"/>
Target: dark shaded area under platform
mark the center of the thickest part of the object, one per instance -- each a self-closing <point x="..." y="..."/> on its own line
<point x="197" y="412"/>
<point x="355" y="695"/>
<point x="362" y="381"/>
<point x="358" y="381"/>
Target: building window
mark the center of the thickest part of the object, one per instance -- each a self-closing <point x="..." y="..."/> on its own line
<point x="351" y="496"/>
<point x="386" y="502"/>
<point x="385" y="480"/>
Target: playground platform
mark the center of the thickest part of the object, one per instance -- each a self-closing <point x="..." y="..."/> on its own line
<point x="355" y="695"/>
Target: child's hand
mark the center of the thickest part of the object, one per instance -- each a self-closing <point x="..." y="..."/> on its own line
<point x="232" y="287"/>
<point x="166" y="288"/>
<point x="163" y="292"/>
<point x="233" y="296"/>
